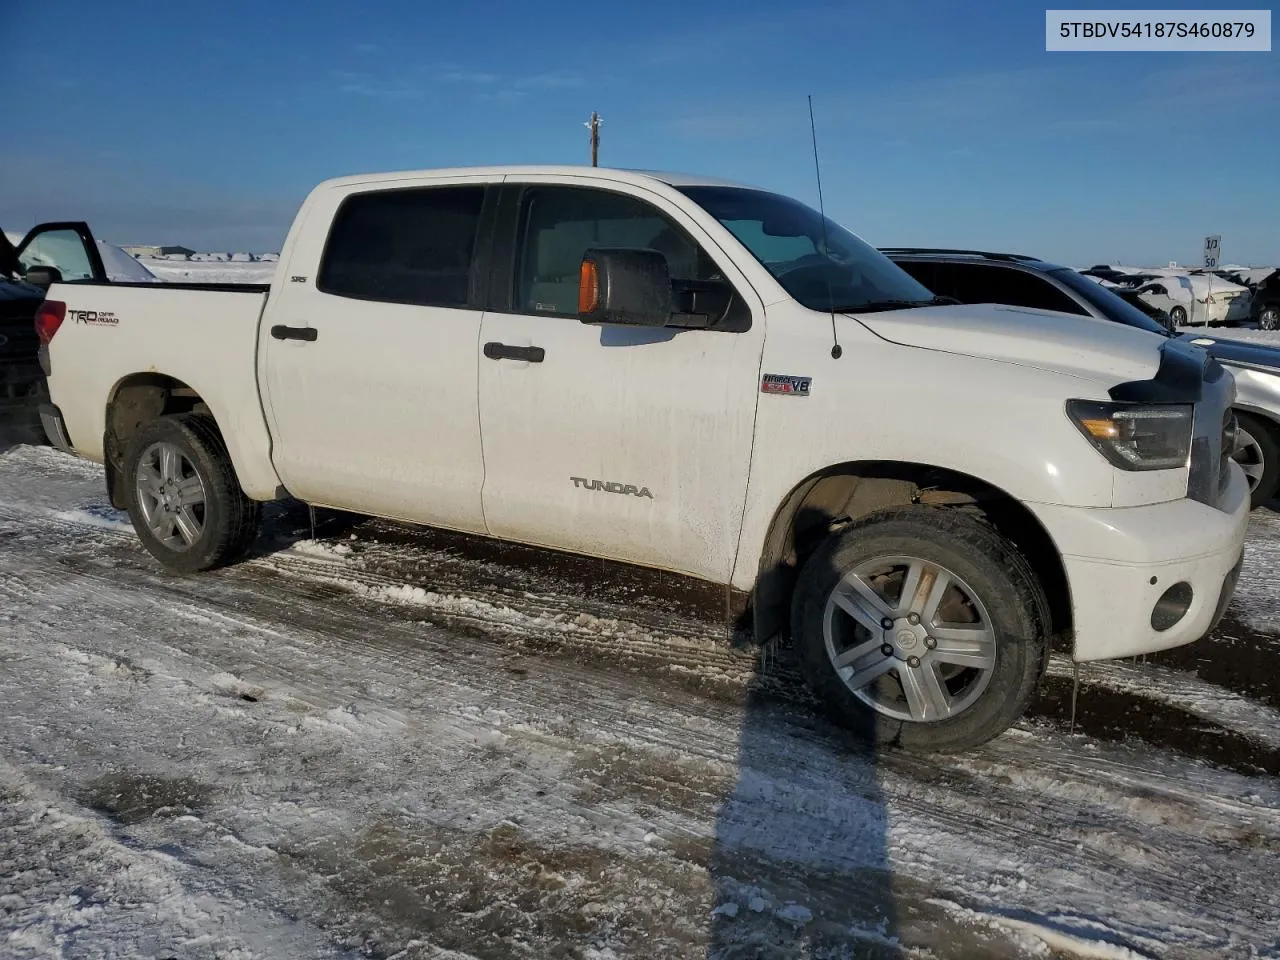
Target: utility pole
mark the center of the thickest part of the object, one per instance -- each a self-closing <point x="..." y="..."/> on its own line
<point x="594" y="126"/>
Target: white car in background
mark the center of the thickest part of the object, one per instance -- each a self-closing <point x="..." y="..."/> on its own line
<point x="1172" y="294"/>
<point x="1198" y="298"/>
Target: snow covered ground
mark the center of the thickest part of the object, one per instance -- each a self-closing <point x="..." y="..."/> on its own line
<point x="385" y="742"/>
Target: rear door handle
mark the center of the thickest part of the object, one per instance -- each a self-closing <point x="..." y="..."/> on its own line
<point x="503" y="351"/>
<point x="281" y="332"/>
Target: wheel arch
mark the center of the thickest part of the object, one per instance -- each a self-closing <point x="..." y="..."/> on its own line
<point x="134" y="400"/>
<point x="829" y="498"/>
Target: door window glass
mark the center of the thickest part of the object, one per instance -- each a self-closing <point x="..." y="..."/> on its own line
<point x="62" y="249"/>
<point x="559" y="225"/>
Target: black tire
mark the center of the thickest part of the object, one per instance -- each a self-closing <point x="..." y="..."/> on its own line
<point x="230" y="519"/>
<point x="990" y="564"/>
<point x="1265" y="433"/>
<point x="1178" y="316"/>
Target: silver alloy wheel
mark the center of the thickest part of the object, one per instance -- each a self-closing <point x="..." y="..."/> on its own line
<point x="1270" y="319"/>
<point x="1249" y="455"/>
<point x="919" y="622"/>
<point x="170" y="495"/>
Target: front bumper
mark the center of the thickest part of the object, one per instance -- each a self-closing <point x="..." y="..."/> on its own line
<point x="1119" y="561"/>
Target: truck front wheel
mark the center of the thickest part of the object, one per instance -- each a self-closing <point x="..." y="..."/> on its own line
<point x="921" y="627"/>
<point x="183" y="497"/>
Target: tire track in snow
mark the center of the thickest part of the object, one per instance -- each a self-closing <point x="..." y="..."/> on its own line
<point x="796" y="783"/>
<point x="697" y="653"/>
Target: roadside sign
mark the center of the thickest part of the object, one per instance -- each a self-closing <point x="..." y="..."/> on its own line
<point x="1211" y="247"/>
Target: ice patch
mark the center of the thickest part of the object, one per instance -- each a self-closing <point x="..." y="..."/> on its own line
<point x="1077" y="936"/>
<point x="97" y="516"/>
<point x="795" y="914"/>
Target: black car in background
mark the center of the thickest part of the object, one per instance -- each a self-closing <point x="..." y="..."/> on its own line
<point x="975" y="276"/>
<point x="22" y="385"/>
<point x="1266" y="302"/>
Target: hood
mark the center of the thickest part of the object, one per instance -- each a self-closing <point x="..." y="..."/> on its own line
<point x="1078" y="346"/>
<point x="1237" y="351"/>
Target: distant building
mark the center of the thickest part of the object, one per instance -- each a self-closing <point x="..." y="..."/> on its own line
<point x="146" y="250"/>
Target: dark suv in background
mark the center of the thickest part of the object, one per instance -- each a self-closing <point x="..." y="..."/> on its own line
<point x="975" y="276"/>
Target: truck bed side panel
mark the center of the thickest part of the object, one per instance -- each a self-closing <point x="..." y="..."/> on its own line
<point x="205" y="338"/>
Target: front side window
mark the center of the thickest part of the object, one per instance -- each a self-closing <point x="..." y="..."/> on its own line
<point x="404" y="246"/>
<point x="62" y="249"/>
<point x="560" y="224"/>
<point x="817" y="261"/>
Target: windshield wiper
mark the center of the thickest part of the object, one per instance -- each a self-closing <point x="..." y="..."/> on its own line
<point x="873" y="305"/>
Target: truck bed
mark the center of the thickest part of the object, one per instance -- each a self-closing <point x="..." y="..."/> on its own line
<point x="200" y="336"/>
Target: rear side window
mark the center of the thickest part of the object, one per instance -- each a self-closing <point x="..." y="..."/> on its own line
<point x="404" y="246"/>
<point x="922" y="272"/>
<point x="984" y="283"/>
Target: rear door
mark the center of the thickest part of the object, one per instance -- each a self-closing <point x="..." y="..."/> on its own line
<point x="369" y="353"/>
<point x="627" y="443"/>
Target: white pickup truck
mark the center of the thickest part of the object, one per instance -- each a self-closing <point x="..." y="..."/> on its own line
<point x="689" y="375"/>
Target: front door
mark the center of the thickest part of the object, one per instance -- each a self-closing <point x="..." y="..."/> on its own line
<point x="627" y="443"/>
<point x="369" y="353"/>
<point x="66" y="247"/>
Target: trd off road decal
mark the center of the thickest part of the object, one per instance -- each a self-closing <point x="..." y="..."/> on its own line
<point x="99" y="318"/>
<point x="608" y="486"/>
<point x="781" y="383"/>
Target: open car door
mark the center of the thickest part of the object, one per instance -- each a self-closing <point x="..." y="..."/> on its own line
<point x="60" y="252"/>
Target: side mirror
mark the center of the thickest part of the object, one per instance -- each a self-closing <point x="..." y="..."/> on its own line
<point x="45" y="277"/>
<point x="625" y="287"/>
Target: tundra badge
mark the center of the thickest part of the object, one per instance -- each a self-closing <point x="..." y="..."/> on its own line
<point x="610" y="486"/>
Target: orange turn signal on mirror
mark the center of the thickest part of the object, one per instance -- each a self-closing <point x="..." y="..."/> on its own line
<point x="588" y="287"/>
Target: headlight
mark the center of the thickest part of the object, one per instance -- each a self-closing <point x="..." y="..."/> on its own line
<point x="1136" y="436"/>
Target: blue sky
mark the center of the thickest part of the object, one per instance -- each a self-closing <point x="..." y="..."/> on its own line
<point x="939" y="123"/>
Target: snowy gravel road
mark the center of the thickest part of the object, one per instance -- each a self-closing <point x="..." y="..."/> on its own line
<point x="380" y="744"/>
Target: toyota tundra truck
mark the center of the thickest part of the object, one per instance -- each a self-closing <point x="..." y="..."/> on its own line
<point x="691" y="375"/>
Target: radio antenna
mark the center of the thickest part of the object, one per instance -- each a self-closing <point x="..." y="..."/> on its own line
<point x="822" y="213"/>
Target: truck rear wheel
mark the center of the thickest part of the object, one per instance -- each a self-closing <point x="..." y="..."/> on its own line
<point x="921" y="627"/>
<point x="183" y="497"/>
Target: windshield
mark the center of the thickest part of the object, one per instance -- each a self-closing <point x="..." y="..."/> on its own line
<point x="824" y="271"/>
<point x="1113" y="306"/>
